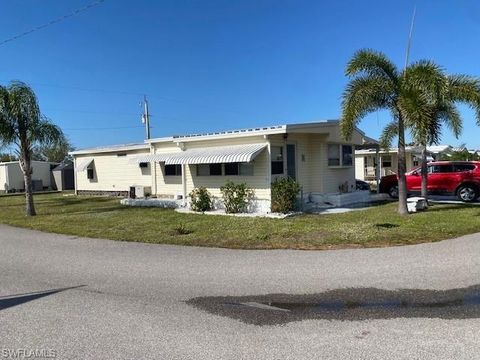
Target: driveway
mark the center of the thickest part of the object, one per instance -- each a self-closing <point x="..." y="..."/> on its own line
<point x="97" y="299"/>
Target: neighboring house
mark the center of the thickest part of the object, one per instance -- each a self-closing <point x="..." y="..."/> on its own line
<point x="369" y="161"/>
<point x="11" y="176"/>
<point x="63" y="176"/>
<point x="440" y="151"/>
<point x="313" y="153"/>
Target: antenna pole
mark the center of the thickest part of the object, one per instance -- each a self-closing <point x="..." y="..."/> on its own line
<point x="146" y="117"/>
<point x="409" y="42"/>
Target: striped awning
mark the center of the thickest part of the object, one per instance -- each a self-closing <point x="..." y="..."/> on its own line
<point x="83" y="164"/>
<point x="216" y="155"/>
<point x="151" y="157"/>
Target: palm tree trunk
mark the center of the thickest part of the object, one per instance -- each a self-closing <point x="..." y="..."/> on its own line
<point x="402" y="169"/>
<point x="424" y="173"/>
<point x="27" y="177"/>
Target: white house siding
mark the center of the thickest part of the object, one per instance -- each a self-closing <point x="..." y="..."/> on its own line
<point x="166" y="186"/>
<point x="15" y="177"/>
<point x="360" y="167"/>
<point x="313" y="172"/>
<point x="3" y="179"/>
<point x="172" y="185"/>
<point x="11" y="175"/>
<point x="41" y="171"/>
<point x="113" y="173"/>
<point x="360" y="164"/>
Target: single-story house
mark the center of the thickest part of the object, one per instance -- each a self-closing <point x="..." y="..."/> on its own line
<point x="11" y="176"/>
<point x="315" y="154"/>
<point x="385" y="161"/>
<point x="439" y="151"/>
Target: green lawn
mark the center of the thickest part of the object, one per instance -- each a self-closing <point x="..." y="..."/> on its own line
<point x="106" y="218"/>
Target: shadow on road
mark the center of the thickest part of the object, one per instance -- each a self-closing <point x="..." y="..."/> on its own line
<point x="18" y="299"/>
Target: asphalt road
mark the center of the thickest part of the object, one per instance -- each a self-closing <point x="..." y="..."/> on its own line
<point x="97" y="299"/>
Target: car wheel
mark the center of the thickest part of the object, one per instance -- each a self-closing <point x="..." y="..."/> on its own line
<point x="467" y="193"/>
<point x="393" y="192"/>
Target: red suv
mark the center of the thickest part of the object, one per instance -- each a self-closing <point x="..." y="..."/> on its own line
<point x="460" y="178"/>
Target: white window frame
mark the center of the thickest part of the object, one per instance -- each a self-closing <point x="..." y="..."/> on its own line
<point x="340" y="154"/>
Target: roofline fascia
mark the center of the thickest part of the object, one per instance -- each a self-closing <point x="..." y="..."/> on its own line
<point x="109" y="150"/>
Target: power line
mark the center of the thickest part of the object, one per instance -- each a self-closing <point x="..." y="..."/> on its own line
<point x="93" y="112"/>
<point x="52" y="22"/>
<point x="88" y="89"/>
<point x="103" y="128"/>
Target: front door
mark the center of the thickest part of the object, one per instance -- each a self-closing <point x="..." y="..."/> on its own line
<point x="291" y="161"/>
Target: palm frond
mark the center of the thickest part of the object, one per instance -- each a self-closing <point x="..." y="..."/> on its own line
<point x="372" y="63"/>
<point x="466" y="89"/>
<point x="363" y="95"/>
<point x="45" y="132"/>
<point x="388" y="134"/>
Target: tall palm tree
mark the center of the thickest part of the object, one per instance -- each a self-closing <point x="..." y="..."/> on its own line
<point x="437" y="94"/>
<point x="23" y="125"/>
<point x="376" y="83"/>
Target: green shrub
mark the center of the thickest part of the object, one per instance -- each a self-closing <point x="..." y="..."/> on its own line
<point x="201" y="199"/>
<point x="236" y="197"/>
<point x="284" y="194"/>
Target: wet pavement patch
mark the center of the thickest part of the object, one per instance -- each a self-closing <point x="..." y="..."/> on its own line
<point x="352" y="304"/>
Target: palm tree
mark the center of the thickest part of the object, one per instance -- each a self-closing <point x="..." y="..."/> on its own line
<point x="376" y="83"/>
<point x="23" y="125"/>
<point x="437" y="94"/>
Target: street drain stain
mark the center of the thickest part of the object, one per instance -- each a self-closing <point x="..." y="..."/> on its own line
<point x="352" y="304"/>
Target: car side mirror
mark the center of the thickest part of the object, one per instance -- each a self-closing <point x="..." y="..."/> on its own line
<point x="415" y="173"/>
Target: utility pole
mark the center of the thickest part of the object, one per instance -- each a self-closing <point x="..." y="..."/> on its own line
<point x="146" y="117"/>
<point x="409" y="42"/>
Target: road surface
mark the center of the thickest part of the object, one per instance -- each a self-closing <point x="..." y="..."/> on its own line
<point x="77" y="298"/>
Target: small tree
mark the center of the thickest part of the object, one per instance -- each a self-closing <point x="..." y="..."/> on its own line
<point x="284" y="194"/>
<point x="55" y="151"/>
<point x="22" y="124"/>
<point x="236" y="197"/>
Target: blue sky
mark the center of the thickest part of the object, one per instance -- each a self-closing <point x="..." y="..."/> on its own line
<point x="220" y="64"/>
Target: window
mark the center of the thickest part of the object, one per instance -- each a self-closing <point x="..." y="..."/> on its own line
<point x="333" y="155"/>
<point x="386" y="161"/>
<point x="340" y="155"/>
<point x="90" y="173"/>
<point x="246" y="169"/>
<point x="215" y="169"/>
<point x="347" y="152"/>
<point x="173" y="170"/>
<point x="143" y="164"/>
<point x="209" y="169"/>
<point x="277" y="159"/>
<point x="122" y="154"/>
<point x="435" y="169"/>
<point x="231" y="169"/>
<point x="463" y="167"/>
<point x="242" y="169"/>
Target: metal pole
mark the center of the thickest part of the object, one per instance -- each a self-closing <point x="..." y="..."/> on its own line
<point x="409" y="42"/>
<point x="146" y="117"/>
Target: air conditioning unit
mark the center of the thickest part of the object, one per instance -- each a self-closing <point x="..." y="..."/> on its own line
<point x="139" y="192"/>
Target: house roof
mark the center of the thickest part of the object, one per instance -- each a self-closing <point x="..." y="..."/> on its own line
<point x="310" y="127"/>
<point x="111" y="148"/>
<point x="32" y="161"/>
<point x="408" y="149"/>
<point x="436" y="149"/>
<point x="316" y="126"/>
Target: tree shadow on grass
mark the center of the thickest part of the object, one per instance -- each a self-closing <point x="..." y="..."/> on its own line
<point x="18" y="299"/>
<point x="440" y="208"/>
